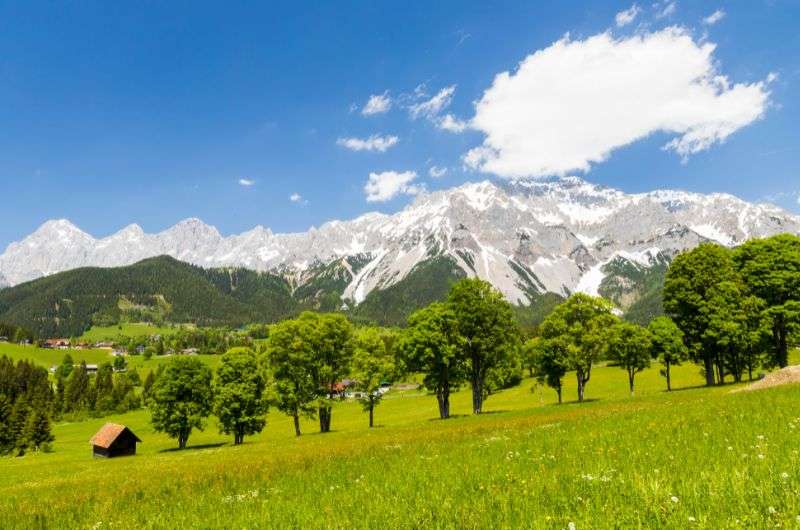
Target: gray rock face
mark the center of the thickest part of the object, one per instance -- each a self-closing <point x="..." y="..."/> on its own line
<point x="525" y="237"/>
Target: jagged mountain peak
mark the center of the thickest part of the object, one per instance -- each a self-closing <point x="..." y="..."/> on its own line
<point x="524" y="236"/>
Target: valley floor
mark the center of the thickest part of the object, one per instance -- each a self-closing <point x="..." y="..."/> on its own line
<point x="693" y="458"/>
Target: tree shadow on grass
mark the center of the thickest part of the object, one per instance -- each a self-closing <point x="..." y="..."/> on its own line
<point x="576" y="402"/>
<point x="194" y="447"/>
<point x="452" y="417"/>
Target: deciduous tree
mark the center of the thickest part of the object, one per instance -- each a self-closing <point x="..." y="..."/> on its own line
<point x="373" y="363"/>
<point x="432" y="345"/>
<point x="182" y="398"/>
<point x="629" y="345"/>
<point x="240" y="402"/>
<point x="667" y="345"/>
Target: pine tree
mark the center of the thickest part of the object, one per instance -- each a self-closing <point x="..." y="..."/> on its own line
<point x="37" y="430"/>
<point x="6" y="439"/>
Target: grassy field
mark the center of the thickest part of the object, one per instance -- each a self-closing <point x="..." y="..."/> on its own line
<point x="693" y="458"/>
<point x="47" y="357"/>
<point x="97" y="333"/>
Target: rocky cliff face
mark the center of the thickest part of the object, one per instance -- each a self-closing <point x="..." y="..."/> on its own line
<point x="525" y="237"/>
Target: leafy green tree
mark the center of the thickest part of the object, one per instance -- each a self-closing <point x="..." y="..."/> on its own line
<point x="331" y="338"/>
<point x="667" y="345"/>
<point x="120" y="363"/>
<point x="37" y="430"/>
<point x="373" y="363"/>
<point x="771" y="270"/>
<point x="726" y="333"/>
<point x="17" y="422"/>
<point x="147" y="385"/>
<point x="432" y="344"/>
<point x="629" y="345"/>
<point x="240" y="403"/>
<point x="549" y="360"/>
<point x="689" y="279"/>
<point x="104" y="388"/>
<point x="580" y="325"/>
<point x="290" y="350"/>
<point x="65" y="368"/>
<point x="182" y="398"/>
<point x="489" y="332"/>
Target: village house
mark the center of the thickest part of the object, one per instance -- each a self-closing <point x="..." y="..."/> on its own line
<point x="114" y="440"/>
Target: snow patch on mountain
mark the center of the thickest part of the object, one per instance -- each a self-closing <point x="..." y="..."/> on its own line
<point x="526" y="237"/>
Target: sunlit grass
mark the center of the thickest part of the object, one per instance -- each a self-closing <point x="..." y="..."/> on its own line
<point x="614" y="462"/>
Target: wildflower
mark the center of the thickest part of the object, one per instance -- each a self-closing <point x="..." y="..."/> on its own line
<point x="760" y="456"/>
<point x="760" y="436"/>
<point x="571" y="526"/>
<point x="730" y="448"/>
<point x="674" y="499"/>
<point x="784" y="475"/>
<point x="692" y="519"/>
<point x="771" y="510"/>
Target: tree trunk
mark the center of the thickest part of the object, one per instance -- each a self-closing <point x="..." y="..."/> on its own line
<point x="708" y="365"/>
<point x="443" y="397"/>
<point x="477" y="396"/>
<point x="371" y="412"/>
<point x="296" y="418"/>
<point x="580" y="386"/>
<point x="782" y="359"/>
<point x="325" y="418"/>
<point x="631" y="375"/>
<point x="666" y="372"/>
<point x="558" y="391"/>
<point x="182" y="439"/>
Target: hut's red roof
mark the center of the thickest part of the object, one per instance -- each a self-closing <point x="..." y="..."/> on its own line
<point x="108" y="433"/>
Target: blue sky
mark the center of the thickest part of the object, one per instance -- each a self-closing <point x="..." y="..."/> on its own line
<point x="157" y="111"/>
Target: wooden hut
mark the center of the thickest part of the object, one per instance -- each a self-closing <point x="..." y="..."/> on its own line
<point x="114" y="440"/>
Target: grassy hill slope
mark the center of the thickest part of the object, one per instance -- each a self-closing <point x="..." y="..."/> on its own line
<point x="654" y="460"/>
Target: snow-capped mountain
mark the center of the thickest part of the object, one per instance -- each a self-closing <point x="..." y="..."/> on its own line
<point x="525" y="237"/>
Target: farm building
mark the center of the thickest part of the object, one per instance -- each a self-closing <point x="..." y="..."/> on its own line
<point x="114" y="440"/>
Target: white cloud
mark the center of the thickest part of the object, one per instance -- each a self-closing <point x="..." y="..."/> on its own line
<point x="570" y="105"/>
<point x="625" y="17"/>
<point x="448" y="122"/>
<point x="431" y="108"/>
<point x="665" y="8"/>
<point x="246" y="182"/>
<point x="295" y="197"/>
<point x="377" y="104"/>
<point x="373" y="143"/>
<point x="437" y="172"/>
<point x="714" y="17"/>
<point x="383" y="186"/>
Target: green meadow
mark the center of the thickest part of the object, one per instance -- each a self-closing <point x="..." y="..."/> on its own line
<point x="693" y="458"/>
<point x="128" y="329"/>
<point x="48" y="357"/>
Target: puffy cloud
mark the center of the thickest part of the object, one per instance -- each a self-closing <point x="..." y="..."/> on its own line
<point x="385" y="185"/>
<point x="430" y="108"/>
<point x="377" y="104"/>
<point x="373" y="143"/>
<point x="625" y="17"/>
<point x="714" y="17"/>
<point x="295" y="197"/>
<point x="246" y="182"/>
<point x="448" y="122"/>
<point x="571" y="104"/>
<point x="437" y="172"/>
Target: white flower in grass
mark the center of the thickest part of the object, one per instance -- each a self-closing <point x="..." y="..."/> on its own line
<point x="692" y="519"/>
<point x="784" y="475"/>
<point x="760" y="457"/>
<point x="674" y="499"/>
<point x="771" y="510"/>
<point x="571" y="526"/>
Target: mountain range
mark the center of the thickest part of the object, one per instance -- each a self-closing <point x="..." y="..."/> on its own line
<point x="530" y="239"/>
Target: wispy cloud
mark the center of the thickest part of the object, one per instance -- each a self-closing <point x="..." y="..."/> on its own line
<point x="297" y="199"/>
<point x="714" y="17"/>
<point x="448" y="122"/>
<point x="665" y="9"/>
<point x="246" y="182"/>
<point x="430" y="108"/>
<point x="437" y="172"/>
<point x="373" y="143"/>
<point x="627" y="16"/>
<point x="377" y="104"/>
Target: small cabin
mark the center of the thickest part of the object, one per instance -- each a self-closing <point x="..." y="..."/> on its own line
<point x="114" y="440"/>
